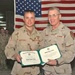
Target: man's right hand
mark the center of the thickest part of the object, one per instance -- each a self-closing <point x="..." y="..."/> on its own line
<point x="17" y="57"/>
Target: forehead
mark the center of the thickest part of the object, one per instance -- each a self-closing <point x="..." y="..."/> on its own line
<point x="29" y="13"/>
<point x="54" y="11"/>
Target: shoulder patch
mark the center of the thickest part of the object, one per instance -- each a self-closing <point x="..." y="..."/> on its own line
<point x="72" y="34"/>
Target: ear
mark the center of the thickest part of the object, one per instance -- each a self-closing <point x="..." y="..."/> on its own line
<point x="60" y="16"/>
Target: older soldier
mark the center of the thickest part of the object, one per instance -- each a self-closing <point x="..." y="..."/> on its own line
<point x="58" y="33"/>
<point x="25" y="38"/>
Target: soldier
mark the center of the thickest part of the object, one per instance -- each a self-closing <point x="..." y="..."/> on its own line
<point x="25" y="38"/>
<point x="58" y="33"/>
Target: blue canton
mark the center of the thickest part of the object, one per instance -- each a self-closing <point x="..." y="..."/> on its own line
<point x="23" y="5"/>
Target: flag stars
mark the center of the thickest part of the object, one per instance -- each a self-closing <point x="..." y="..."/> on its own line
<point x="22" y="1"/>
<point x="32" y="3"/>
<point x="29" y="5"/>
<point x="29" y="0"/>
<point x="36" y="8"/>
<point x="23" y="6"/>
<point x="32" y="7"/>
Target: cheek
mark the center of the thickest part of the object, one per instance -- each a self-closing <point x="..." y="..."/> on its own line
<point x="33" y="21"/>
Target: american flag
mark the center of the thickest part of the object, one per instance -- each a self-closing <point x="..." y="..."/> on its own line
<point x="67" y="9"/>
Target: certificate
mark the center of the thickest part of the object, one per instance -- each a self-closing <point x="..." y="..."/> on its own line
<point x="51" y="52"/>
<point x="40" y="56"/>
<point x="29" y="58"/>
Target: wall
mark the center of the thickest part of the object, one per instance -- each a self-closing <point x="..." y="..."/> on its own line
<point x="10" y="21"/>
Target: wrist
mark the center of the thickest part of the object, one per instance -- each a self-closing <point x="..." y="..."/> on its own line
<point x="57" y="62"/>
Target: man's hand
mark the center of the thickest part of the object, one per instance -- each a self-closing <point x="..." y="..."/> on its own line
<point x="52" y="62"/>
<point x="17" y="57"/>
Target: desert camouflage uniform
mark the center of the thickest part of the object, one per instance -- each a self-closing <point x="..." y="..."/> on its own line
<point x="22" y="40"/>
<point x="63" y="37"/>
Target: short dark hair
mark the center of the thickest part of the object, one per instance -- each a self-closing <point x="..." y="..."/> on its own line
<point x="31" y="11"/>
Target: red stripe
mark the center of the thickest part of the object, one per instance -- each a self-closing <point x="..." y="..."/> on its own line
<point x="41" y="22"/>
<point x="68" y="15"/>
<point x="62" y="2"/>
<point x="41" y="28"/>
<point x="18" y="26"/>
<point x="19" y="20"/>
<point x="68" y="21"/>
<point x="63" y="15"/>
<point x="72" y="28"/>
<point x="74" y="34"/>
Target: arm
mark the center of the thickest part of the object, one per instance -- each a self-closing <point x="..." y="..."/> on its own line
<point x="10" y="48"/>
<point x="68" y="55"/>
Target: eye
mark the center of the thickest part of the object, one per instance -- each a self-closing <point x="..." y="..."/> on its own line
<point x="54" y="15"/>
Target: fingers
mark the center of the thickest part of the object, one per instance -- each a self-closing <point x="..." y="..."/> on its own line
<point x="17" y="57"/>
<point x="52" y="62"/>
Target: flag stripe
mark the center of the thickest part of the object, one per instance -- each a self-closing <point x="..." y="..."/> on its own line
<point x="65" y="15"/>
<point x="62" y="8"/>
<point x="62" y="2"/>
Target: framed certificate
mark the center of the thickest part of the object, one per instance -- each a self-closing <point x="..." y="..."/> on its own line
<point x="40" y="56"/>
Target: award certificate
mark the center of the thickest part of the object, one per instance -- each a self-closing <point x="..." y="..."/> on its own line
<point x="40" y="56"/>
<point x="29" y="58"/>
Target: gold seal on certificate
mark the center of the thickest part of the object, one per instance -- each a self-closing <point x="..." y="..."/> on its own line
<point x="40" y="56"/>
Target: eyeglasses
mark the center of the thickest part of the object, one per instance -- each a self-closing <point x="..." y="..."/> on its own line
<point x="54" y="15"/>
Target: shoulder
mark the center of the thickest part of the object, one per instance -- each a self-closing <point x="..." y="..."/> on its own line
<point x="46" y="30"/>
<point x="67" y="32"/>
<point x="17" y="31"/>
<point x="37" y="32"/>
<point x="64" y="28"/>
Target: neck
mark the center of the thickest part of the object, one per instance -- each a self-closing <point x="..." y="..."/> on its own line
<point x="30" y="29"/>
<point x="55" y="26"/>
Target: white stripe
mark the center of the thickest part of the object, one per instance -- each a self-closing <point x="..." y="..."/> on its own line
<point x="45" y="25"/>
<point x="69" y="24"/>
<point x="41" y="25"/>
<point x="58" y="5"/>
<point x="18" y="16"/>
<point x="67" y="11"/>
<point x="73" y="31"/>
<point x="63" y="18"/>
<point x="68" y="18"/>
<point x="19" y="23"/>
<point x="62" y="12"/>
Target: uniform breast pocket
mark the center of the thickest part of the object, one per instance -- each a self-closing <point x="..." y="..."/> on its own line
<point x="22" y="44"/>
<point x="60" y="39"/>
<point x="35" y="45"/>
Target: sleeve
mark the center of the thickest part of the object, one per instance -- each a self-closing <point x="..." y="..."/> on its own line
<point x="11" y="46"/>
<point x="68" y="55"/>
<point x="41" y="42"/>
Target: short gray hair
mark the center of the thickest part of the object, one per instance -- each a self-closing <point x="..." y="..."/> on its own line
<point x="54" y="8"/>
